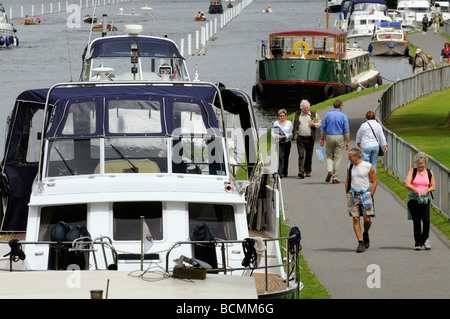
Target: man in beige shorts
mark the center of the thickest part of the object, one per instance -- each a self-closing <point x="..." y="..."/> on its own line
<point x="360" y="186"/>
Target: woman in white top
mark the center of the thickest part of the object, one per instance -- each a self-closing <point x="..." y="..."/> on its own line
<point x="369" y="137"/>
<point x="282" y="132"/>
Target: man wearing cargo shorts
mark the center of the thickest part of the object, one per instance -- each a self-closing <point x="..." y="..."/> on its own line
<point x="360" y="187"/>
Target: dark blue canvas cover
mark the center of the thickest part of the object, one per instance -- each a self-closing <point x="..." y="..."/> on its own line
<point x="20" y="173"/>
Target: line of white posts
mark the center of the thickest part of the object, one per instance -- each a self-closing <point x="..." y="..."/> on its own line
<point x="58" y="7"/>
<point x="209" y="30"/>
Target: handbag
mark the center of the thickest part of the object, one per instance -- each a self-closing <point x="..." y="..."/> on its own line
<point x="380" y="149"/>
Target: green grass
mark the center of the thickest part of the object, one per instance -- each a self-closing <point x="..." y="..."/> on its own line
<point x="424" y="124"/>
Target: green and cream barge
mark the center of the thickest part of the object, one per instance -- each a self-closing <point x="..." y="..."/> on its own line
<point x="314" y="64"/>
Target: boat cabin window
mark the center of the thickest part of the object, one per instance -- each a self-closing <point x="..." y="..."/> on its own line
<point x="51" y="215"/>
<point x="127" y="223"/>
<point x="305" y="46"/>
<point x="198" y="155"/>
<point x="134" y="117"/>
<point x="218" y="218"/>
<point x="369" y="7"/>
<point x="148" y="69"/>
<point x="81" y="119"/>
<point x="188" y="118"/>
<point x="135" y="155"/>
<point x="29" y="143"/>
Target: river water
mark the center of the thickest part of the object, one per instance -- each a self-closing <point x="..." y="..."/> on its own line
<point x="51" y="52"/>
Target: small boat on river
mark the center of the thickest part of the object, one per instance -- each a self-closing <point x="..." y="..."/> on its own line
<point x="7" y="30"/>
<point x="313" y="64"/>
<point x="388" y="39"/>
<point x="89" y="18"/>
<point x="215" y="6"/>
<point x="144" y="169"/>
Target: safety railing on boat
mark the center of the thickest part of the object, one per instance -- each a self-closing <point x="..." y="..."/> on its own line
<point x="79" y="245"/>
<point x="291" y="265"/>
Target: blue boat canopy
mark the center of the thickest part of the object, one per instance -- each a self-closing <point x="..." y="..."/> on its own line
<point x="103" y="111"/>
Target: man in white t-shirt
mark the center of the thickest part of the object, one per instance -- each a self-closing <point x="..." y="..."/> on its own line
<point x="360" y="187"/>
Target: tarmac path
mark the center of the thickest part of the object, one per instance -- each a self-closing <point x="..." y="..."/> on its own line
<point x="430" y="43"/>
<point x="390" y="268"/>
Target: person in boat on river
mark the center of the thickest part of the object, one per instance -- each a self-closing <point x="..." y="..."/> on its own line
<point x="282" y="132"/>
<point x="360" y="187"/>
<point x="36" y="19"/>
<point x="419" y="63"/>
<point x="304" y="132"/>
<point x="445" y="54"/>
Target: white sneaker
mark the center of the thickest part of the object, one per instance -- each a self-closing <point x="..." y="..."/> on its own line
<point x="417" y="247"/>
<point x="427" y="245"/>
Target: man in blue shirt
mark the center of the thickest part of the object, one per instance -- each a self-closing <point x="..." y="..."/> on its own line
<point x="335" y="126"/>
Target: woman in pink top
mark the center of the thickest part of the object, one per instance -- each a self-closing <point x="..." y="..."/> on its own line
<point x="420" y="186"/>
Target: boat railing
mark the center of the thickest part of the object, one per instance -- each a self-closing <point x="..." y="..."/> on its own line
<point x="290" y="246"/>
<point x="79" y="245"/>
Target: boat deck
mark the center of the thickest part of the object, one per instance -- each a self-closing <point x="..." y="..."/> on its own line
<point x="121" y="285"/>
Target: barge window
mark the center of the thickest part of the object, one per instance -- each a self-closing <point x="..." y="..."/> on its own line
<point x="127" y="220"/>
<point x="218" y="218"/>
<point x="51" y="215"/>
<point x="134" y="116"/>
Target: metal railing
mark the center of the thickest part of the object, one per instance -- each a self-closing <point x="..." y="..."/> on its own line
<point x="400" y="158"/>
<point x="291" y="264"/>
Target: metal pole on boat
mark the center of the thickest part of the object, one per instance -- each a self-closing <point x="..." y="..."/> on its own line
<point x="142" y="242"/>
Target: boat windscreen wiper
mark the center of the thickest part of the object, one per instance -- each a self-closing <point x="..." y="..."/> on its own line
<point x="133" y="167"/>
<point x="72" y="172"/>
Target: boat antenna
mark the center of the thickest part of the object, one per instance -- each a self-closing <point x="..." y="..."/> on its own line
<point x="92" y="21"/>
<point x="68" y="53"/>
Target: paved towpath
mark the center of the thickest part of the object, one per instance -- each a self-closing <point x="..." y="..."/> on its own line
<point x="329" y="243"/>
<point x="430" y="43"/>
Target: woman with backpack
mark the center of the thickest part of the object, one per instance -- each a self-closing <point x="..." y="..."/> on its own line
<point x="420" y="182"/>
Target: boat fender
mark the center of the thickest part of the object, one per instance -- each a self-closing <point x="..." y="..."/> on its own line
<point x="8" y="41"/>
<point x="370" y="48"/>
<point x="259" y="90"/>
<point x="250" y="256"/>
<point x="2" y="40"/>
<point x="16" y="252"/>
<point x="254" y="93"/>
<point x="17" y="41"/>
<point x="294" y="243"/>
<point x="328" y="91"/>
<point x="305" y="47"/>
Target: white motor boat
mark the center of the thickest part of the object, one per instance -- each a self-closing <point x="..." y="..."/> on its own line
<point x="7" y="31"/>
<point x="359" y="20"/>
<point x="413" y="12"/>
<point x="388" y="39"/>
<point x="126" y="175"/>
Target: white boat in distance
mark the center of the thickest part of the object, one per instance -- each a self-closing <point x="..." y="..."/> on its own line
<point x="388" y="39"/>
<point x="359" y="20"/>
<point x="7" y="31"/>
<point x="130" y="175"/>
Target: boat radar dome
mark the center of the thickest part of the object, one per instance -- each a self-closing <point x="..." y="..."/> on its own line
<point x="133" y="29"/>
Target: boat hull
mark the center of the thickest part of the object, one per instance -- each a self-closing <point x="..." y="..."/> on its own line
<point x="388" y="48"/>
<point x="285" y="82"/>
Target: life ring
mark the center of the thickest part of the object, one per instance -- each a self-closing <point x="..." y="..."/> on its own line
<point x="328" y="91"/>
<point x="298" y="44"/>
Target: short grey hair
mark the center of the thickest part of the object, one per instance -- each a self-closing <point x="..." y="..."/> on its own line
<point x="421" y="156"/>
<point x="356" y="152"/>
<point x="303" y="102"/>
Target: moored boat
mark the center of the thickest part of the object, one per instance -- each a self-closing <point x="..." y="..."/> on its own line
<point x="313" y="64"/>
<point x="109" y="27"/>
<point x="7" y="30"/>
<point x="89" y="18"/>
<point x="155" y="58"/>
<point x="131" y="174"/>
<point x="215" y="6"/>
<point x="359" y="20"/>
<point x="388" y="39"/>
